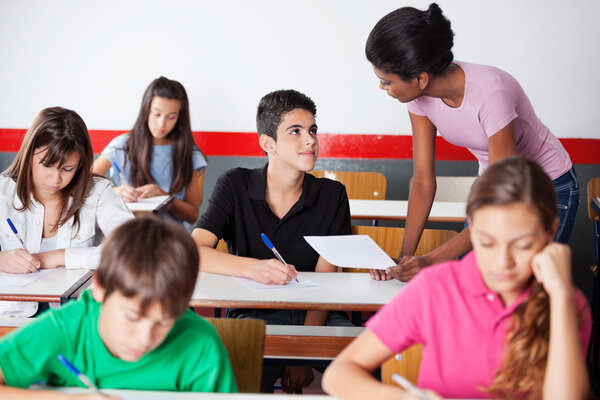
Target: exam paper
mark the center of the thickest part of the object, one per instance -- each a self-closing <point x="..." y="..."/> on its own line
<point x="147" y="204"/>
<point x="302" y="282"/>
<point x="7" y="279"/>
<point x="351" y="251"/>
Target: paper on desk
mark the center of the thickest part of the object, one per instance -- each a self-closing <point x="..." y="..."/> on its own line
<point x="7" y="279"/>
<point x="302" y="282"/>
<point x="351" y="251"/>
<point x="147" y="204"/>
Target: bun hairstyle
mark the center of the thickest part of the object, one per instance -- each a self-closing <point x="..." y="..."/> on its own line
<point x="511" y="180"/>
<point x="407" y="42"/>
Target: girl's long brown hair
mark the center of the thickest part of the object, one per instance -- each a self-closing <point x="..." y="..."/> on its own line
<point x="517" y="179"/>
<point x="62" y="132"/>
<point x="139" y="146"/>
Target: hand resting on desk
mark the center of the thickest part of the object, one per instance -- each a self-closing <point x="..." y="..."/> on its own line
<point x="407" y="268"/>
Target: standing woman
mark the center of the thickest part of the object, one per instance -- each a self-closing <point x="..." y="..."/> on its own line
<point x="159" y="155"/>
<point x="53" y="201"/>
<point x="475" y="106"/>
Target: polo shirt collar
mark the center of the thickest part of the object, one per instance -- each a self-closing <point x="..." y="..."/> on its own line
<point x="258" y="186"/>
<point x="472" y="282"/>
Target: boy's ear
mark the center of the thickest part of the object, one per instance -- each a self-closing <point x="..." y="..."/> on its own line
<point x="267" y="143"/>
<point x="97" y="290"/>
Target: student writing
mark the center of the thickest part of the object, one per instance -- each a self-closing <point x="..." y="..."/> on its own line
<point x="503" y="322"/>
<point x="285" y="203"/>
<point x="475" y="106"/>
<point x="59" y="209"/>
<point x="159" y="155"/>
<point x="132" y="330"/>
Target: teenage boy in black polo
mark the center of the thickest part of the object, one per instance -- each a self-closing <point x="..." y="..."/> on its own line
<point x="285" y="203"/>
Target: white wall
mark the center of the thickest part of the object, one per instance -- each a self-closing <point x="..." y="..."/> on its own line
<point x="98" y="57"/>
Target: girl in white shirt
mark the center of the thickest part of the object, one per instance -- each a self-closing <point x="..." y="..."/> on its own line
<point x="59" y="209"/>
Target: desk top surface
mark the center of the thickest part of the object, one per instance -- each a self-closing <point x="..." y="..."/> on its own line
<point x="49" y="287"/>
<point x="398" y="209"/>
<point x="336" y="291"/>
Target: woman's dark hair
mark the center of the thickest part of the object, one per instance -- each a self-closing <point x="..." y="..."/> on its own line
<point x="407" y="42"/>
<point x="61" y="132"/>
<point x="139" y="146"/>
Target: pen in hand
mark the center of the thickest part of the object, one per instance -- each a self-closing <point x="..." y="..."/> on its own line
<point x="16" y="233"/>
<point x="406" y="384"/>
<point x="274" y="250"/>
<point x="84" y="379"/>
<point x="122" y="179"/>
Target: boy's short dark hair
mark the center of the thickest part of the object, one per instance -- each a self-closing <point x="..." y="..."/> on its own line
<point x="274" y="105"/>
<point x="153" y="259"/>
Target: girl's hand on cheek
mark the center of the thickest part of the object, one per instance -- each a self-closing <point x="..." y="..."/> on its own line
<point x="552" y="268"/>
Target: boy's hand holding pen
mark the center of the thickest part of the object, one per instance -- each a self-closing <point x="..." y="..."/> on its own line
<point x="279" y="257"/>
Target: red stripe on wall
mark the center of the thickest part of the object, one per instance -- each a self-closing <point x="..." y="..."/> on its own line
<point x="245" y="144"/>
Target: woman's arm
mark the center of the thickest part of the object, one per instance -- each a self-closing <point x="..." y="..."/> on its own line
<point x="270" y="271"/>
<point x="349" y="375"/>
<point x="566" y="375"/>
<point x="502" y="144"/>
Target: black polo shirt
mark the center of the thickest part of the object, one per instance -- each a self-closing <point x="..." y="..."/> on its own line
<point x="238" y="213"/>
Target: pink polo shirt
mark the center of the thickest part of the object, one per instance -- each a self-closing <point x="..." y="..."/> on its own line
<point x="461" y="323"/>
<point x="492" y="99"/>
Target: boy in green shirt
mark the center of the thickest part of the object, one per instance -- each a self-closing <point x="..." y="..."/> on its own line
<point x="133" y="330"/>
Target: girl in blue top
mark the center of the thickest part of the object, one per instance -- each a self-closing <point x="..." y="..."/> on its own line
<point x="159" y="155"/>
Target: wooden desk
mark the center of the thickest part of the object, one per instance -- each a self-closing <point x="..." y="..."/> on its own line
<point x="337" y="291"/>
<point x="156" y="205"/>
<point x="151" y="395"/>
<point x="396" y="210"/>
<point x="56" y="287"/>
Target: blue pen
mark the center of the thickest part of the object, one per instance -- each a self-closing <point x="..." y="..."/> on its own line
<point x="84" y="379"/>
<point x="121" y="176"/>
<point x="14" y="229"/>
<point x="274" y="250"/>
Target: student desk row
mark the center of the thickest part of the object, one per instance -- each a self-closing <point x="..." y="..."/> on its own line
<point x="396" y="210"/>
<point x="359" y="209"/>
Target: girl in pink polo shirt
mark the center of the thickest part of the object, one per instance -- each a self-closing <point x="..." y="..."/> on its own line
<point x="479" y="107"/>
<point x="503" y="322"/>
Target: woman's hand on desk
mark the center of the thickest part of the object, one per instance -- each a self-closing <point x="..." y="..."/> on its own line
<point x="293" y="378"/>
<point x="128" y="193"/>
<point x="18" y="261"/>
<point x="272" y="272"/>
<point x="149" y="190"/>
<point x="407" y="268"/>
<point x="379" y="275"/>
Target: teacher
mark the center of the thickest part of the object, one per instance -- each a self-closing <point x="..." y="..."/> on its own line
<point x="479" y="107"/>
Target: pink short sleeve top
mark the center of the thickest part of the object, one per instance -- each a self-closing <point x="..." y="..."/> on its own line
<point x="492" y="99"/>
<point x="461" y="323"/>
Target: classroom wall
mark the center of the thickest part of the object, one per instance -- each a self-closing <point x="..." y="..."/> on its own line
<point x="98" y="57"/>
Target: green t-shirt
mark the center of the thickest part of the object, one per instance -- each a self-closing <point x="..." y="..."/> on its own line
<point x="191" y="358"/>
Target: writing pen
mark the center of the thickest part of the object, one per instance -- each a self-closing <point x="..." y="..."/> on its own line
<point x="121" y="176"/>
<point x="16" y="233"/>
<point x="274" y="250"/>
<point x="82" y="378"/>
<point x="406" y="384"/>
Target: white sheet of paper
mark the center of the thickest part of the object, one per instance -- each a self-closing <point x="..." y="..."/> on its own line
<point x="351" y="251"/>
<point x="302" y="282"/>
<point x="7" y="279"/>
<point x="147" y="204"/>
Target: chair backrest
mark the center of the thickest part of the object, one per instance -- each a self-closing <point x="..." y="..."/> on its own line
<point x="453" y="188"/>
<point x="359" y="184"/>
<point x="222" y="246"/>
<point x="593" y="190"/>
<point x="244" y="340"/>
<point x="390" y="240"/>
